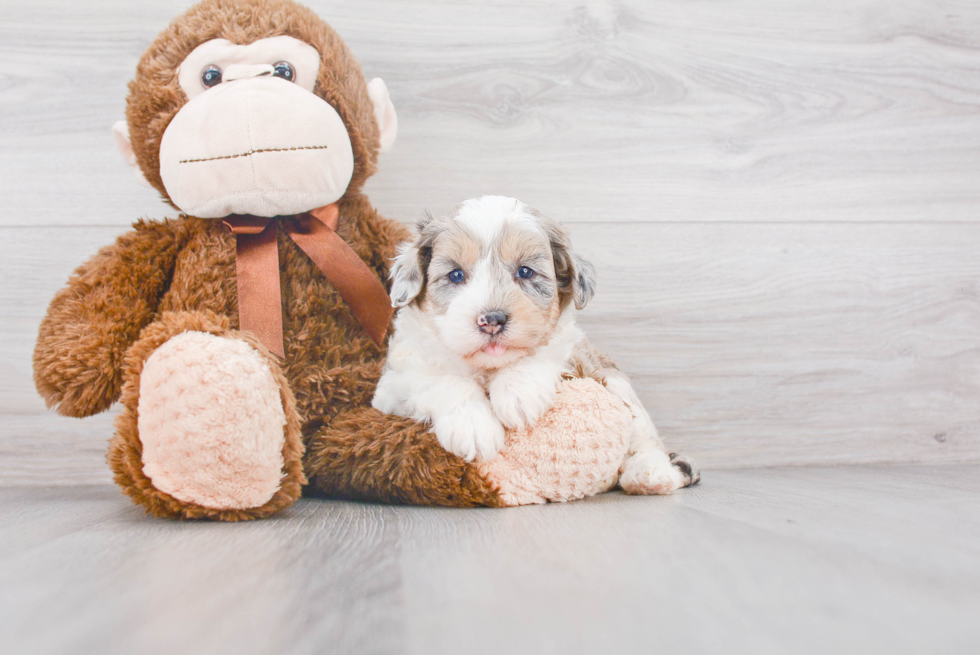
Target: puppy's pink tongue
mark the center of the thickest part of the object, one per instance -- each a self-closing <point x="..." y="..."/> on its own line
<point x="495" y="349"/>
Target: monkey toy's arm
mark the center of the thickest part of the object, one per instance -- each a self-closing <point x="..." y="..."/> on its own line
<point x="92" y="321"/>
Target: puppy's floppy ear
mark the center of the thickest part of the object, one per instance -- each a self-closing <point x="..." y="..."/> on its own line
<point x="575" y="276"/>
<point x="584" y="281"/>
<point x="407" y="276"/>
<point x="408" y="271"/>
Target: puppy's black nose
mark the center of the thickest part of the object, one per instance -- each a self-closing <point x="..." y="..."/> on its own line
<point x="492" y="322"/>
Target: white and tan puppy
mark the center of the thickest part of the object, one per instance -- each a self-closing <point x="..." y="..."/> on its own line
<point x="486" y="330"/>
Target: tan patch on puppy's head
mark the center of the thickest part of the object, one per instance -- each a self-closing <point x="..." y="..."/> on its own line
<point x="453" y="249"/>
<point x="494" y="276"/>
<point x="575" y="276"/>
<point x="455" y="245"/>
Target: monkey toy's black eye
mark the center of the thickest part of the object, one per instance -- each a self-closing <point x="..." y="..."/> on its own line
<point x="457" y="276"/>
<point x="284" y="70"/>
<point x="211" y="76"/>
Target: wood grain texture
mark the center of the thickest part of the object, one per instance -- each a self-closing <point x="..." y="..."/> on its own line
<point x="782" y="202"/>
<point x="777" y="561"/>
<point x="627" y="110"/>
<point x="751" y="345"/>
<point x="783" y="344"/>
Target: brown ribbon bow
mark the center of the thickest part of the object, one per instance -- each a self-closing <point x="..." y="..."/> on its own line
<point x="257" y="263"/>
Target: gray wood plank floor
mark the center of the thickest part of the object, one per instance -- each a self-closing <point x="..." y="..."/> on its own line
<point x="882" y="559"/>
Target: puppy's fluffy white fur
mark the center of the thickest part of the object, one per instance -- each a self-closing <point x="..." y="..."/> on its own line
<point x="486" y="330"/>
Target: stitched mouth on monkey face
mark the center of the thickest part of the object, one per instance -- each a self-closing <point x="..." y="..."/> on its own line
<point x="260" y="146"/>
<point x="249" y="153"/>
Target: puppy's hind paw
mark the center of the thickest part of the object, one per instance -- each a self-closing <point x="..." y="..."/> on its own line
<point x="688" y="467"/>
<point x="654" y="472"/>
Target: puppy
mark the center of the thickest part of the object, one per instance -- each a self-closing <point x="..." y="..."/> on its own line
<point x="486" y="330"/>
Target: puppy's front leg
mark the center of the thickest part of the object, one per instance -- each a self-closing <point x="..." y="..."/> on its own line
<point x="521" y="393"/>
<point x="648" y="468"/>
<point x="469" y="429"/>
<point x="456" y="406"/>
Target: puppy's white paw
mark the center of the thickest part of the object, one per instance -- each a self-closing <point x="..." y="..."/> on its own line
<point x="470" y="431"/>
<point x="652" y="472"/>
<point x="519" y="396"/>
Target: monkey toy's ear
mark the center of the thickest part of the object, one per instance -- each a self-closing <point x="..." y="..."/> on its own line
<point x="121" y="131"/>
<point x="384" y="113"/>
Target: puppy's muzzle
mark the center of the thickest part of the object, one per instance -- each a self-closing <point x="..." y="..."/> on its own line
<point x="492" y="322"/>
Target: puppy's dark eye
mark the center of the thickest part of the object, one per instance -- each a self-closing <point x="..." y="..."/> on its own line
<point x="211" y="76"/>
<point x="284" y="70"/>
<point x="525" y="273"/>
<point x="457" y="276"/>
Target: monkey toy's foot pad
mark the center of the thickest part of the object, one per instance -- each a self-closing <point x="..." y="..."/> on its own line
<point x="573" y="451"/>
<point x="211" y="422"/>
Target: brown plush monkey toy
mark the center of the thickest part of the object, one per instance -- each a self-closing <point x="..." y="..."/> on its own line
<point x="245" y="337"/>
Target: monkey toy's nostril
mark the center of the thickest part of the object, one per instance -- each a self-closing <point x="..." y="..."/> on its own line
<point x="492" y="322"/>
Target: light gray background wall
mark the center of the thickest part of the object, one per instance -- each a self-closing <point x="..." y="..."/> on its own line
<point x="782" y="199"/>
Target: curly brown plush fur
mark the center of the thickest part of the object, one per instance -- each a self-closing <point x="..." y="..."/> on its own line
<point x="174" y="275"/>
<point x="403" y="453"/>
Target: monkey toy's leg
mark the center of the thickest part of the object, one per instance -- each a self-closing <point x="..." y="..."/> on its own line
<point x="366" y="455"/>
<point x="209" y="427"/>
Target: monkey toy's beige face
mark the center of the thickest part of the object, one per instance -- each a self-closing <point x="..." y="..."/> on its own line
<point x="253" y="138"/>
<point x="255" y="134"/>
